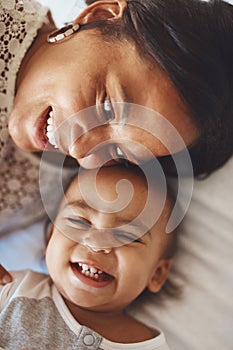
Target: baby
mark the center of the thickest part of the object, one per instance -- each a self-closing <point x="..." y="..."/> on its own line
<point x="103" y="252"/>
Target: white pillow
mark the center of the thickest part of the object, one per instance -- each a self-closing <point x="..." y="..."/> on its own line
<point x="203" y="317"/>
<point x="64" y="11"/>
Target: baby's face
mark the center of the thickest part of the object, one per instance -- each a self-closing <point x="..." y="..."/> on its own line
<point x="101" y="254"/>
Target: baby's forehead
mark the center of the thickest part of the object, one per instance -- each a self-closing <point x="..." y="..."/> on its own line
<point x="109" y="184"/>
<point x="120" y="191"/>
<point x="108" y="187"/>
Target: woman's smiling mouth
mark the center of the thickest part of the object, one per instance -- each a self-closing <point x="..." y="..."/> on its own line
<point x="41" y="138"/>
<point x="51" y="130"/>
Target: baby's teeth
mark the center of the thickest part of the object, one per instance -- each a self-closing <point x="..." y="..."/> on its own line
<point x="86" y="273"/>
<point x="93" y="270"/>
<point x="51" y="114"/>
<point x="90" y="271"/>
<point x="85" y="267"/>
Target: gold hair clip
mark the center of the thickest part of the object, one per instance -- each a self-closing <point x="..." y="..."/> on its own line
<point x="62" y="33"/>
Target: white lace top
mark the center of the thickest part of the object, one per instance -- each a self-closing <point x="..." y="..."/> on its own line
<point x="20" y="202"/>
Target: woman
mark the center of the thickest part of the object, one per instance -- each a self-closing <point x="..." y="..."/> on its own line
<point x="186" y="63"/>
<point x="173" y="57"/>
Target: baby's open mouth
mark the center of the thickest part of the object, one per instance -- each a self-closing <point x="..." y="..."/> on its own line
<point x="91" y="272"/>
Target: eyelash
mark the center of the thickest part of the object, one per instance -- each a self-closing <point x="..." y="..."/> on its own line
<point x="119" y="152"/>
<point x="107" y="109"/>
<point x="126" y="236"/>
<point x="81" y="222"/>
<point x="109" y="115"/>
<point x="123" y="237"/>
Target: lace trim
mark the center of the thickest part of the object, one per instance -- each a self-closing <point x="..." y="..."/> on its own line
<point x="19" y="173"/>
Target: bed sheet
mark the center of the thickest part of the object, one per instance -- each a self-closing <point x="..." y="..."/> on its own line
<point x="24" y="249"/>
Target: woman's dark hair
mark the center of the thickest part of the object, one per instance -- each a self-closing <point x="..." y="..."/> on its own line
<point x="192" y="41"/>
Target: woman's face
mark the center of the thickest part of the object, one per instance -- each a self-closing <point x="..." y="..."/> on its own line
<point x="85" y="71"/>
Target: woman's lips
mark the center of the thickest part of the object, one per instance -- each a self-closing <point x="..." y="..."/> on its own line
<point x="48" y="135"/>
<point x="40" y="133"/>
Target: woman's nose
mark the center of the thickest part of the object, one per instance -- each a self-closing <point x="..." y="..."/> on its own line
<point x="82" y="133"/>
<point x="92" y="149"/>
<point x="93" y="160"/>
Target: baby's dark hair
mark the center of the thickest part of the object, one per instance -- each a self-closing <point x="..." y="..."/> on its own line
<point x="171" y="236"/>
<point x="191" y="40"/>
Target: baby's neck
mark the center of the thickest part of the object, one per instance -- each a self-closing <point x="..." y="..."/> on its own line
<point x="116" y="326"/>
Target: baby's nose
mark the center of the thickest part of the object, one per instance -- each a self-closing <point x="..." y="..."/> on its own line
<point x="98" y="240"/>
<point x="100" y="250"/>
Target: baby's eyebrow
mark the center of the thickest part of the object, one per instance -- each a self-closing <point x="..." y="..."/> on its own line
<point x="135" y="224"/>
<point x="79" y="203"/>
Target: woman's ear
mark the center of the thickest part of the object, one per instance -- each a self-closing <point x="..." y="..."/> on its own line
<point x="160" y="275"/>
<point x="102" y="10"/>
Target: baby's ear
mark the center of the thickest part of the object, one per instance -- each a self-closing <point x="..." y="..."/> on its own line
<point x="160" y="275"/>
<point x="49" y="231"/>
<point x="102" y="10"/>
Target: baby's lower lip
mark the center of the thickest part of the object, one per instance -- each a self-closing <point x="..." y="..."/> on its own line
<point x="103" y="280"/>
